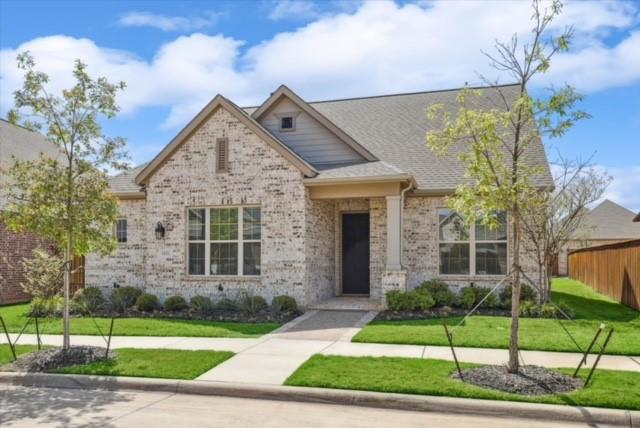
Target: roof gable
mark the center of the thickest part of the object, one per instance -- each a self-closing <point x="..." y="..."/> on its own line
<point x="343" y="147"/>
<point x="221" y="102"/>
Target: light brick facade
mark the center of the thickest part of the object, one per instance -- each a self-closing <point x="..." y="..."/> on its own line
<point x="301" y="237"/>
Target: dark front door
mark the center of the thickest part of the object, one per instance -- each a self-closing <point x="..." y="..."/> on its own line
<point x="355" y="253"/>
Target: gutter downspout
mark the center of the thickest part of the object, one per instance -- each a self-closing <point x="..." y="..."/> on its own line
<point x="402" y="193"/>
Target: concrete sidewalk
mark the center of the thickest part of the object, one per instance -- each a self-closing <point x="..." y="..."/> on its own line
<point x="270" y="359"/>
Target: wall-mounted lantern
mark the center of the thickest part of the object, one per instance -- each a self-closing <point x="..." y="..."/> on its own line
<point x="159" y="231"/>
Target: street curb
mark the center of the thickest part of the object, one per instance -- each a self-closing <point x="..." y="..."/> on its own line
<point x="547" y="412"/>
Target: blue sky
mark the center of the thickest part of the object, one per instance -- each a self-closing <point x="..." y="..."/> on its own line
<point x="175" y="56"/>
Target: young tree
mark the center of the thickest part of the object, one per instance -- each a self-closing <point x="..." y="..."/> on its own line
<point x="66" y="200"/>
<point x="502" y="176"/>
<point x="554" y="217"/>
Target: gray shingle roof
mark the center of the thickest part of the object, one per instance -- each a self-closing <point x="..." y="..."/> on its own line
<point x="125" y="181"/>
<point x="609" y="221"/>
<point x="18" y="142"/>
<point x="361" y="170"/>
<point x="393" y="128"/>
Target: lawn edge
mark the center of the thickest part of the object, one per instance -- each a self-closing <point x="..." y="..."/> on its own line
<point x="467" y="406"/>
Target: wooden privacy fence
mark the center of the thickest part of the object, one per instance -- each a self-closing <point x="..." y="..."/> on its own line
<point x="77" y="277"/>
<point x="612" y="269"/>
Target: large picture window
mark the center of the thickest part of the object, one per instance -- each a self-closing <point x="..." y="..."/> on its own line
<point x="224" y="241"/>
<point x="478" y="250"/>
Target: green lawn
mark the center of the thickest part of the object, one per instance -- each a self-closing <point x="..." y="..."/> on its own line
<point x="15" y="316"/>
<point x="590" y="308"/>
<point x="158" y="363"/>
<point x="608" y="388"/>
<point x="5" y="352"/>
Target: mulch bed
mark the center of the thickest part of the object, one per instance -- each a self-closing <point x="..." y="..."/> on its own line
<point x="188" y="314"/>
<point x="441" y="312"/>
<point x="50" y="359"/>
<point x="531" y="380"/>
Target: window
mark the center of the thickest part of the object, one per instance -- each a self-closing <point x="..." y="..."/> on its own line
<point x="226" y="239"/>
<point x="287" y="123"/>
<point x="121" y="230"/>
<point x="222" y="155"/>
<point x="478" y="250"/>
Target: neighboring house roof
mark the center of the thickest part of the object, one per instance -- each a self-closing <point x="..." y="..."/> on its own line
<point x="389" y="131"/>
<point x="20" y="143"/>
<point x="637" y="218"/>
<point x="608" y="221"/>
<point x="217" y="102"/>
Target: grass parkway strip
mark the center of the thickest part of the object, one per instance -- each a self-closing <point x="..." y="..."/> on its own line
<point x="608" y="388"/>
<point x="153" y="363"/>
<point x="590" y="308"/>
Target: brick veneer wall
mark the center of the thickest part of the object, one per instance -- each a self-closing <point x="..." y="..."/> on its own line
<point x="257" y="175"/>
<point x="420" y="247"/>
<point x="13" y="248"/>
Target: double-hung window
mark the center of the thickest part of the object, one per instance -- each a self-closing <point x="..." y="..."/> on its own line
<point x="224" y="241"/>
<point x="121" y="230"/>
<point x="478" y="250"/>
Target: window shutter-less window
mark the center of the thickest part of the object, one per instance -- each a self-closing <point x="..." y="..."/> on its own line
<point x="222" y="155"/>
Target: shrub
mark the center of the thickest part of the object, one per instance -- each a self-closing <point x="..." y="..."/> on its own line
<point x="175" y="303"/>
<point x="422" y="298"/>
<point x="528" y="309"/>
<point x="147" y="303"/>
<point x="286" y="304"/>
<point x="202" y="305"/>
<point x="527" y="294"/>
<point x="46" y="307"/>
<point x="124" y="297"/>
<point x="44" y="275"/>
<point x="490" y="302"/>
<point x="467" y="297"/>
<point x="440" y="292"/>
<point x="548" y="310"/>
<point x="566" y="309"/>
<point x="416" y="300"/>
<point x="251" y="303"/>
<point x="227" y="305"/>
<point x="87" y="300"/>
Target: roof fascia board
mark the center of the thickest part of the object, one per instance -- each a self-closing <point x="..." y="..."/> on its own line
<point x="220" y="102"/>
<point x="312" y="182"/>
<point x="286" y="92"/>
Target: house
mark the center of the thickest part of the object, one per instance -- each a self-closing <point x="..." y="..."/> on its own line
<point x="607" y="223"/>
<point x="16" y="143"/>
<point x="310" y="199"/>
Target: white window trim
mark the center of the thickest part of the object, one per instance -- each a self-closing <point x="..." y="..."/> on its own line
<point x="472" y="249"/>
<point x="208" y="241"/>
<point x="293" y="115"/>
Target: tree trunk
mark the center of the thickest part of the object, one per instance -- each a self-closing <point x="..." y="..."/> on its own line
<point x="68" y="256"/>
<point x="514" y="362"/>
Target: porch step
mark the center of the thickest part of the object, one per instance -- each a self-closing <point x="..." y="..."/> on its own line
<point x="344" y="303"/>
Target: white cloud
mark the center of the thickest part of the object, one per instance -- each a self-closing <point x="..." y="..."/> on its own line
<point x="381" y="47"/>
<point x="294" y="10"/>
<point x="168" y="23"/>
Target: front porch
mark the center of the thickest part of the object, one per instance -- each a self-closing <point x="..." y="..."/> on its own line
<point x="355" y="243"/>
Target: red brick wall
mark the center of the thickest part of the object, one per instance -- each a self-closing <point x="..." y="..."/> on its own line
<point x="13" y="248"/>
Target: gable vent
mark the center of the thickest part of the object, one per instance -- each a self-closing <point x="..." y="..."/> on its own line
<point x="222" y="155"/>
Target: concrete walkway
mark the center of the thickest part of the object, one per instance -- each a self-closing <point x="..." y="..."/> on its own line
<point x="270" y="359"/>
<point x="273" y="360"/>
